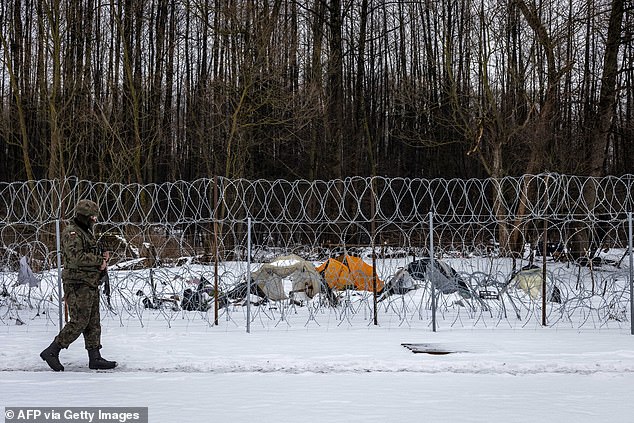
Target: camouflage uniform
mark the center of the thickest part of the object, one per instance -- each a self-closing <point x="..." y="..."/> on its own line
<point x="81" y="274"/>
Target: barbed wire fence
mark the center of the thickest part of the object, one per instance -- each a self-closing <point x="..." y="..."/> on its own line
<point x="184" y="254"/>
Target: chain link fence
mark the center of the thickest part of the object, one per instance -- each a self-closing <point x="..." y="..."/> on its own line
<point x="238" y="254"/>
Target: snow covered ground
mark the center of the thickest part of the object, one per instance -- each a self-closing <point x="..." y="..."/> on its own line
<point x="186" y="374"/>
<point x="333" y="365"/>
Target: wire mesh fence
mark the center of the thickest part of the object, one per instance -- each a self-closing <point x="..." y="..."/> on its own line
<point x="394" y="252"/>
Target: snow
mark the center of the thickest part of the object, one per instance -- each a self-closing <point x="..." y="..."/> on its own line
<point x="324" y="375"/>
<point x="308" y="365"/>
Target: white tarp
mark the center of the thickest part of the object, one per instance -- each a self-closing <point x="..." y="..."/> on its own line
<point x="287" y="275"/>
<point x="26" y="275"/>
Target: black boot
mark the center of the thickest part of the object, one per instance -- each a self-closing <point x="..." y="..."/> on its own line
<point x="97" y="362"/>
<point x="51" y="356"/>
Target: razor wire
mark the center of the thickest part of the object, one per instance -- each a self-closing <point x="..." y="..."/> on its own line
<point x="172" y="237"/>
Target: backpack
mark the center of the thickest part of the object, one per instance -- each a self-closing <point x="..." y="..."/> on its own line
<point x="194" y="301"/>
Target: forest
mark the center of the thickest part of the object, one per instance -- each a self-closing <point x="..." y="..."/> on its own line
<point x="147" y="91"/>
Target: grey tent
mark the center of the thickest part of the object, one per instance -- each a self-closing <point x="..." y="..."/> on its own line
<point x="444" y="277"/>
<point x="400" y="284"/>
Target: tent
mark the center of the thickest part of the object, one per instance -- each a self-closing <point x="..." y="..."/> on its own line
<point x="444" y="277"/>
<point x="400" y="284"/>
<point x="287" y="276"/>
<point x="349" y="272"/>
<point x="283" y="278"/>
<point x="529" y="279"/>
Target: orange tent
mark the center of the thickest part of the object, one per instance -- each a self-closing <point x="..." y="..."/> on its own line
<point x="348" y="272"/>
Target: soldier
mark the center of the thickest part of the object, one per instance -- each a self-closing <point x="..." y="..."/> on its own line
<point x="83" y="263"/>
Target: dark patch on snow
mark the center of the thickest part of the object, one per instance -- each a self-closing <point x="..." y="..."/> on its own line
<point x="433" y="349"/>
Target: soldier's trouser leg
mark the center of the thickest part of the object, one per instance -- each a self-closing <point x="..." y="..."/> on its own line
<point x="92" y="333"/>
<point x="83" y="308"/>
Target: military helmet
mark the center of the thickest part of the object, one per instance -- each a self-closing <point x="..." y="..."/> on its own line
<point x="87" y="208"/>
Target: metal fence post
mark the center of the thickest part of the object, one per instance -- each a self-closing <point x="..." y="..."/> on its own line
<point x="544" y="253"/>
<point x="373" y="233"/>
<point x="433" y="271"/>
<point x="215" y="226"/>
<point x="629" y="219"/>
<point x="249" y="275"/>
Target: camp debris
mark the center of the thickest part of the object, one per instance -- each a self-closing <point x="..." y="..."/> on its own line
<point x="26" y="275"/>
<point x="288" y="277"/>
<point x="199" y="299"/>
<point x="446" y="280"/>
<point x="444" y="277"/>
<point x="529" y="279"/>
<point x="400" y="284"/>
